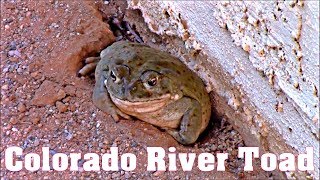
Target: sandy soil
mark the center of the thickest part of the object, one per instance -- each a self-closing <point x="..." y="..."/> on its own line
<point x="44" y="103"/>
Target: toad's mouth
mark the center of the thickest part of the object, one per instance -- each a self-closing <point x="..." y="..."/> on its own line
<point x="139" y="106"/>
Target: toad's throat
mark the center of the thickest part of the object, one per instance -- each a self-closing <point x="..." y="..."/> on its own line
<point x="141" y="107"/>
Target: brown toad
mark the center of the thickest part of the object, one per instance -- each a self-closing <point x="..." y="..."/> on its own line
<point x="135" y="80"/>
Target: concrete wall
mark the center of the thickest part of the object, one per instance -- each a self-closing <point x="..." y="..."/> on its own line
<point x="260" y="60"/>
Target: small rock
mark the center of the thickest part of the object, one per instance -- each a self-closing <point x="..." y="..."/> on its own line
<point x="61" y="107"/>
<point x="13" y="45"/>
<point x="115" y="175"/>
<point x="19" y="70"/>
<point x="71" y="90"/>
<point x="26" y="130"/>
<point x="46" y="94"/>
<point x="52" y="152"/>
<point x="67" y="99"/>
<point x="127" y="175"/>
<point x="34" y="74"/>
<point x="5" y="70"/>
<point x="4" y="87"/>
<point x="158" y="173"/>
<point x="68" y="135"/>
<point x="57" y="121"/>
<point x="36" y="120"/>
<point x="61" y="94"/>
<point x="72" y="107"/>
<point x="213" y="147"/>
<point x="13" y="120"/>
<point x="8" y="127"/>
<point x="14" y="53"/>
<point x="21" y="107"/>
<point x="36" y="142"/>
<point x="28" y="14"/>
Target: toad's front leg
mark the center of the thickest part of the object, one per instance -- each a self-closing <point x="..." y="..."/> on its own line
<point x="90" y="66"/>
<point x="190" y="125"/>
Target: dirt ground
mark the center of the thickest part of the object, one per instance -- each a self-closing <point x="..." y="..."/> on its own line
<point x="45" y="104"/>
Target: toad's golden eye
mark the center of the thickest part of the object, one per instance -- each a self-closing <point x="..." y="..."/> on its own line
<point x="150" y="79"/>
<point x="151" y="82"/>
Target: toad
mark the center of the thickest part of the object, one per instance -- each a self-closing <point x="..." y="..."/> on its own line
<point x="135" y="80"/>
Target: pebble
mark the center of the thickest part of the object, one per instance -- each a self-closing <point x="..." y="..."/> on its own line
<point x="153" y="40"/>
<point x="61" y="107"/>
<point x="14" y="53"/>
<point x="21" y="107"/>
<point x="19" y="70"/>
<point x="115" y="175"/>
<point x="52" y="152"/>
<point x="13" y="45"/>
<point x="5" y="70"/>
<point x="36" y="120"/>
<point x="4" y="87"/>
<point x="36" y="142"/>
<point x="213" y="147"/>
<point x="158" y="173"/>
<point x="127" y="175"/>
<point x="13" y="120"/>
<point x="67" y="99"/>
<point x="61" y="94"/>
<point x="34" y="74"/>
<point x="26" y="130"/>
<point x="28" y="14"/>
<point x="57" y="121"/>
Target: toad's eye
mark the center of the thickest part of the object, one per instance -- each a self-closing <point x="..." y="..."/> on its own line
<point x="114" y="77"/>
<point x="150" y="79"/>
<point x="152" y="82"/>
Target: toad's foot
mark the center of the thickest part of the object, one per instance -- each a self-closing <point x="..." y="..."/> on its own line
<point x="90" y="66"/>
<point x="190" y="126"/>
<point x="115" y="113"/>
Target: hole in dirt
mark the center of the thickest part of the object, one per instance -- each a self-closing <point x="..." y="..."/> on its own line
<point x="213" y="126"/>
